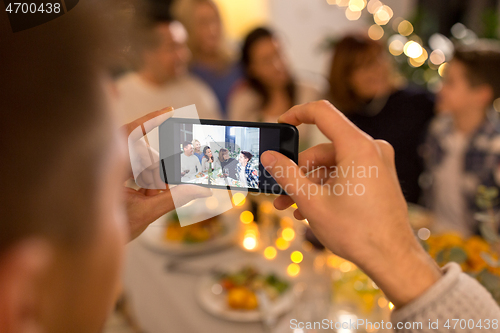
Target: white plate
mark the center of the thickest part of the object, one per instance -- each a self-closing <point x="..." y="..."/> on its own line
<point x="153" y="238"/>
<point x="217" y="304"/>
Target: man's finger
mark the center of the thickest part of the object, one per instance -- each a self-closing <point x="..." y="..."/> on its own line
<point x="345" y="136"/>
<point x="287" y="174"/>
<point x="322" y="155"/>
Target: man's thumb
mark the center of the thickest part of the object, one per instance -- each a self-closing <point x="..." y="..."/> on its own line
<point x="287" y="174"/>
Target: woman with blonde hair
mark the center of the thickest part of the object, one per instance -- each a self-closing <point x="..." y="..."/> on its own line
<point x="211" y="59"/>
<point x="365" y="86"/>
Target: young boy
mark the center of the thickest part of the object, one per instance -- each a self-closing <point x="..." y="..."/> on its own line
<point x="462" y="151"/>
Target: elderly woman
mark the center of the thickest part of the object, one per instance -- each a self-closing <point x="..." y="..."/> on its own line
<point x="247" y="175"/>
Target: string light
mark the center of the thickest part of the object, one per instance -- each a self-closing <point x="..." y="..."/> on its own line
<point x="297" y="257"/>
<point x="288" y="234"/>
<point x="373" y="6"/>
<point x="246" y="217"/>
<point x="375" y="32"/>
<point x="383" y="15"/>
<point x="250" y="242"/>
<point x="437" y="57"/>
<point x="413" y="49"/>
<point x="270" y="252"/>
<point x="405" y="28"/>
<point x="352" y="15"/>
<point x="293" y="269"/>
<point x="238" y="199"/>
<point x="442" y="68"/>
<point x="282" y="244"/>
<point x="357" y="5"/>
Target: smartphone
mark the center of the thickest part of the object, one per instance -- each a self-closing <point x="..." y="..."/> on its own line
<point x="223" y="154"/>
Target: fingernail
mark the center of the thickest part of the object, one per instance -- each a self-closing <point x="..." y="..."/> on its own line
<point x="268" y="159"/>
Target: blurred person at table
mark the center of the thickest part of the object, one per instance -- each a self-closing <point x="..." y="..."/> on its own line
<point x="247" y="174"/>
<point x="227" y="163"/>
<point x="462" y="150"/>
<point x="190" y="164"/>
<point x="160" y="57"/>
<point x="211" y="61"/>
<point x="366" y="88"/>
<point x="197" y="149"/>
<point x="207" y="162"/>
<point x="269" y="88"/>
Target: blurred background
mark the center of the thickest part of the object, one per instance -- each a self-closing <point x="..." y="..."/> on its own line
<point x="382" y="63"/>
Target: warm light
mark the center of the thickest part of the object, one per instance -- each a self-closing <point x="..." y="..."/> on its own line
<point x="373" y="6"/>
<point x="266" y="207"/>
<point x="331" y="2"/>
<point x="343" y="3"/>
<point x="352" y="15"/>
<point x="270" y="253"/>
<point x="295" y="206"/>
<point x="334" y="261"/>
<point x="496" y="104"/>
<point x="293" y="269"/>
<point x="391" y="306"/>
<point x="286" y="222"/>
<point x="307" y="246"/>
<point x="412" y="49"/>
<point x="211" y="202"/>
<point x="246" y="217"/>
<point x="288" y="234"/>
<point x="437" y="57"/>
<point x="424" y="233"/>
<point x="297" y="257"/>
<point x="396" y="47"/>
<point x="282" y="244"/>
<point x="441" y="69"/>
<point x="375" y="32"/>
<point x="420" y="60"/>
<point x="239" y="17"/>
<point x="357" y="5"/>
<point x="250" y="242"/>
<point x="383" y="15"/>
<point x="405" y="28"/>
<point x="346" y="267"/>
<point x="238" y="199"/>
<point x="382" y="302"/>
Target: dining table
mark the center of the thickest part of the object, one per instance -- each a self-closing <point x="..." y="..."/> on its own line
<point x="163" y="288"/>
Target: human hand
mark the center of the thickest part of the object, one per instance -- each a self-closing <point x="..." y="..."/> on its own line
<point x="360" y="217"/>
<point x="154" y="198"/>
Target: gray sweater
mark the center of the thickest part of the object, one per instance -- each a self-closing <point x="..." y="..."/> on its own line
<point x="455" y="296"/>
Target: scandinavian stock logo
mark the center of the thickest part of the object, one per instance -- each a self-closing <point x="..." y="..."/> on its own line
<point x="29" y="14"/>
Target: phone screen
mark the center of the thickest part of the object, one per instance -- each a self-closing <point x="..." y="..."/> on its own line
<point x="222" y="154"/>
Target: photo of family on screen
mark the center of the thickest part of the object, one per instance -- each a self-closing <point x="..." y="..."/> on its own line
<point x="220" y="155"/>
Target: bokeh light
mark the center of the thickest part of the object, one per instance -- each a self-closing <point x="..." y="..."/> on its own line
<point x="373" y="6"/>
<point x="250" y="242"/>
<point x="357" y="5"/>
<point x="297" y="257"/>
<point x="391" y="306"/>
<point x="382" y="302"/>
<point x="437" y="57"/>
<point x="212" y="202"/>
<point x="442" y="68"/>
<point x="413" y="49"/>
<point x="396" y="47"/>
<point x="405" y="28"/>
<point x="270" y="252"/>
<point x="293" y="269"/>
<point x="352" y="15"/>
<point x="288" y="234"/>
<point x="238" y="199"/>
<point x="375" y="32"/>
<point x="282" y="244"/>
<point x="424" y="233"/>
<point x="383" y="15"/>
<point x="246" y="217"/>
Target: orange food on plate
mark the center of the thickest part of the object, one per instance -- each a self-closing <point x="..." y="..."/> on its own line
<point x="242" y="298"/>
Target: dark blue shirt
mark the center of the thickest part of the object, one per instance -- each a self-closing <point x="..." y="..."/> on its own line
<point x="222" y="83"/>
